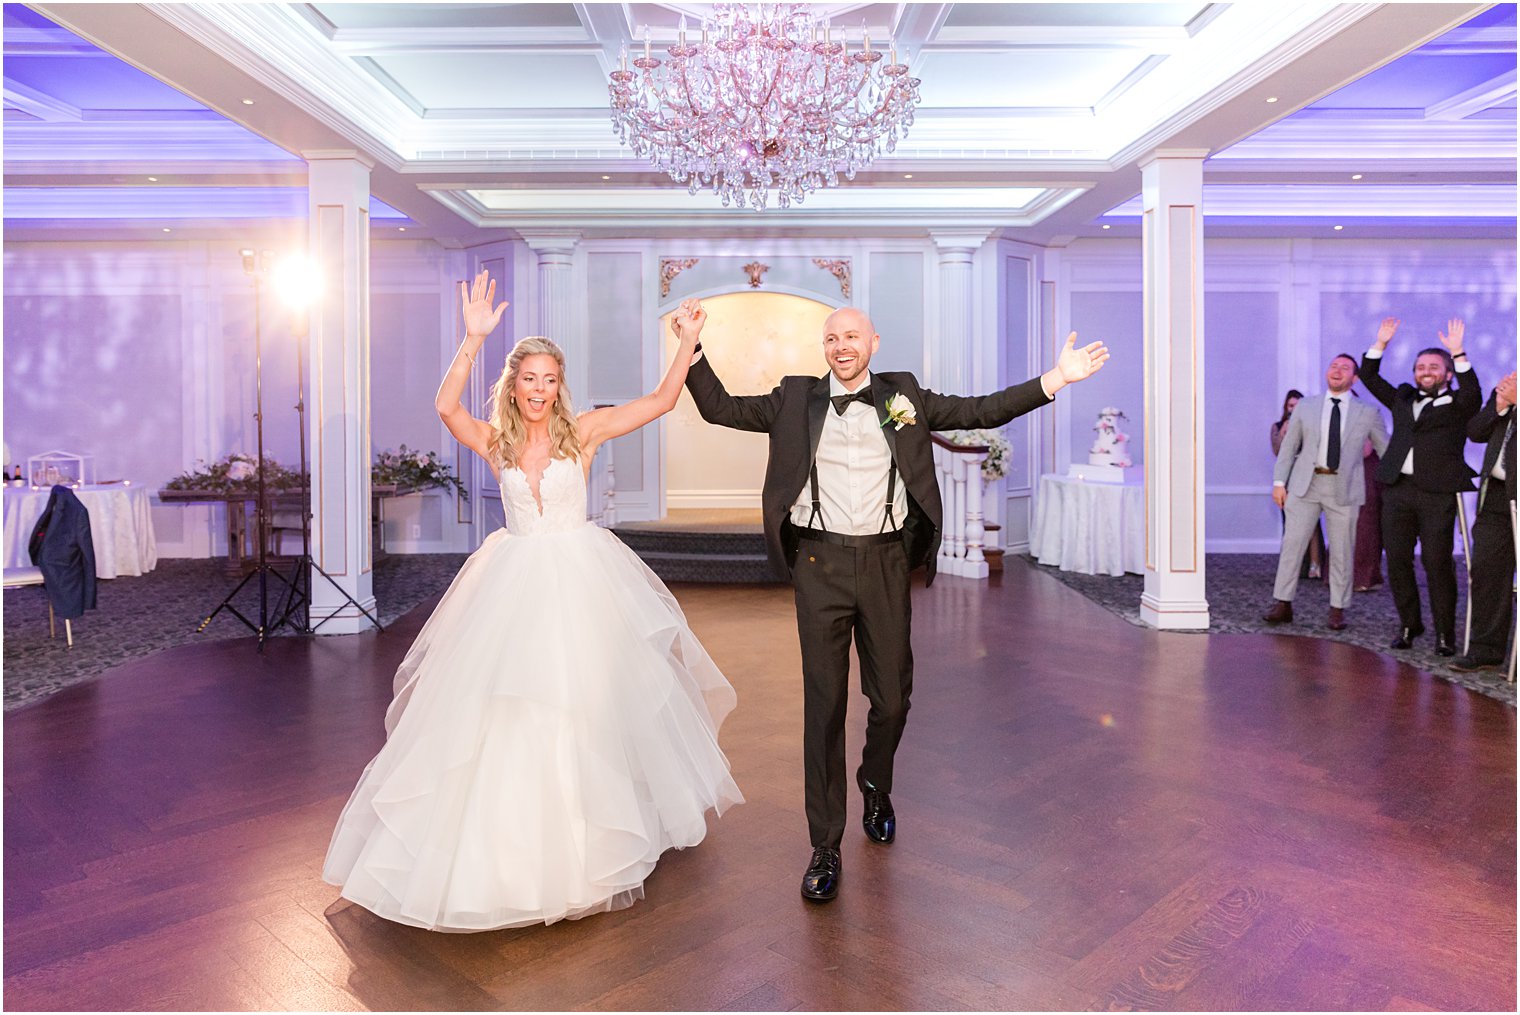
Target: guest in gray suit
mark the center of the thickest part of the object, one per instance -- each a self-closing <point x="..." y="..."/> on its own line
<point x="1314" y="477"/>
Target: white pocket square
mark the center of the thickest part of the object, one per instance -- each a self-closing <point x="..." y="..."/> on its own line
<point x="1443" y="400"/>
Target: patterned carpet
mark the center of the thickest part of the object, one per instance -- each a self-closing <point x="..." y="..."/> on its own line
<point x="136" y="617"/>
<point x="1239" y="590"/>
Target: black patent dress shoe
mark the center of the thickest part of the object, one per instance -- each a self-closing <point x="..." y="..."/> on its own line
<point x="1444" y="647"/>
<point x="1406" y="637"/>
<point x="879" y="820"/>
<point x="820" y="882"/>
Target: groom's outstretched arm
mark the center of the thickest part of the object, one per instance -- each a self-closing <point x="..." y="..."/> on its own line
<point x="741" y="412"/>
<point x="956" y="412"/>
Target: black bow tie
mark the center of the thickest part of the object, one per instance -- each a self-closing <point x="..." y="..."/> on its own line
<point x="842" y="401"/>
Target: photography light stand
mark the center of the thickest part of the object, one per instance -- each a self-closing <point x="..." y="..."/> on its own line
<point x="255" y="267"/>
<point x="295" y="602"/>
<point x="295" y="599"/>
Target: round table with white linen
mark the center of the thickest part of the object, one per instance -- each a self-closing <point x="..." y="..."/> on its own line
<point x="1089" y="527"/>
<point x="121" y="526"/>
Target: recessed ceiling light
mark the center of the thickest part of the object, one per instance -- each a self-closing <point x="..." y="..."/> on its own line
<point x="152" y="179"/>
<point x="401" y="229"/>
<point x="249" y="102"/>
<point x="1356" y="176"/>
<point x="168" y="230"/>
<point x="1272" y="98"/>
<point x="606" y="177"/>
<point x="1339" y="228"/>
<point x="1107" y="226"/>
<point x="907" y="176"/>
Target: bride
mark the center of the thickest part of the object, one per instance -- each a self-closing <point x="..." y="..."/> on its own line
<point x="555" y="724"/>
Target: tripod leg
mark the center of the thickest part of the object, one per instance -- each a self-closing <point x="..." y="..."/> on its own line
<point x="226" y="604"/>
<point x="350" y="599"/>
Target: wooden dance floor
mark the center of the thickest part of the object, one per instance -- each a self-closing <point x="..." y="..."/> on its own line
<point x="1090" y="815"/>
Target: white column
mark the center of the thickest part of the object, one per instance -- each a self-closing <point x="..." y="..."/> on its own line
<point x="948" y="350"/>
<point x="1172" y="193"/>
<point x="338" y="391"/>
<point x="559" y="317"/>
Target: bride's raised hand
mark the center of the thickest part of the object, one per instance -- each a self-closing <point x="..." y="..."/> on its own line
<point x="689" y="319"/>
<point x="479" y="319"/>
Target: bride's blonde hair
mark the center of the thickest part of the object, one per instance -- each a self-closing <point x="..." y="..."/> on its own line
<point x="508" y="431"/>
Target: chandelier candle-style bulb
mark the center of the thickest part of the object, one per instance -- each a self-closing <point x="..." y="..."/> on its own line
<point x="761" y="107"/>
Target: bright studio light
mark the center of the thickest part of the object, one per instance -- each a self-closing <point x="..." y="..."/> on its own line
<point x="296" y="282"/>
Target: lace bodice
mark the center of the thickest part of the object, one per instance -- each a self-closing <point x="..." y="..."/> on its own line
<point x="562" y="489"/>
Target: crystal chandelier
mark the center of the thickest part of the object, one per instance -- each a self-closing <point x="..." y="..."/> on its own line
<point x="768" y="100"/>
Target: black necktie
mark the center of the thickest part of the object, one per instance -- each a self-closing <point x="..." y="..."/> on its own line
<point x="843" y="401"/>
<point x="1333" y="448"/>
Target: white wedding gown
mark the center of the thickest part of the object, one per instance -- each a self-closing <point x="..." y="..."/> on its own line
<point x="554" y="730"/>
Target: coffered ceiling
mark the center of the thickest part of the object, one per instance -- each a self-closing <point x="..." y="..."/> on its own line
<point x="481" y="118"/>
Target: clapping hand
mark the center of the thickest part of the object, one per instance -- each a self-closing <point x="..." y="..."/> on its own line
<point x="479" y="319"/>
<point x="1504" y="393"/>
<point x="1386" y="330"/>
<point x="1075" y="364"/>
<point x="688" y="320"/>
<point x="1452" y="336"/>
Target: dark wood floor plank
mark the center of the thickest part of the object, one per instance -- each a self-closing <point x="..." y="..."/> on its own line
<point x="1090" y="815"/>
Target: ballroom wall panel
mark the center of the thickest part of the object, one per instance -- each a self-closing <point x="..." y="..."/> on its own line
<point x="1275" y="312"/>
<point x="143" y="355"/>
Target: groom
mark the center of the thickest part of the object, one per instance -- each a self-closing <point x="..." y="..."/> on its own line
<point x="851" y="505"/>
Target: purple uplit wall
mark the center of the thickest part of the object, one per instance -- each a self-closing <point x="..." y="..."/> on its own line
<point x="1275" y="311"/>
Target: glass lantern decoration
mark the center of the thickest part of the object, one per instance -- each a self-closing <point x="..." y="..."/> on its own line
<point x="55" y="468"/>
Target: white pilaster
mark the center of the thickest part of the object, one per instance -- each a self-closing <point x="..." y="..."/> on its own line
<point x="558" y="304"/>
<point x="338" y="399"/>
<point x="1172" y="195"/>
<point x="948" y="351"/>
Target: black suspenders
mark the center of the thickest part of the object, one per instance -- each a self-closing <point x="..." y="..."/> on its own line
<point x="887" y="518"/>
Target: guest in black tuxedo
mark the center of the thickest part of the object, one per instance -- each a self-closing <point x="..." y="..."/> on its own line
<point x="851" y="505"/>
<point x="1492" y="588"/>
<point x="1422" y="473"/>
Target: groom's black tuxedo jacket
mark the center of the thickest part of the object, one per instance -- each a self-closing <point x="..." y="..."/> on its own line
<point x="793" y="413"/>
<point x="1438" y="438"/>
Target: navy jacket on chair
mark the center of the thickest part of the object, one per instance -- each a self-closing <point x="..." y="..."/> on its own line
<point x="61" y="547"/>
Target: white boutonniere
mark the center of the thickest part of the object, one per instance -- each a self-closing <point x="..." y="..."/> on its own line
<point x="901" y="412"/>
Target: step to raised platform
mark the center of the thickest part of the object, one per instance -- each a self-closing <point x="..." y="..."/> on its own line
<point x="698" y="552"/>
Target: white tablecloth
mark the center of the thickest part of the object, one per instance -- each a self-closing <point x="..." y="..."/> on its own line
<point x="121" y="527"/>
<point x="1090" y="528"/>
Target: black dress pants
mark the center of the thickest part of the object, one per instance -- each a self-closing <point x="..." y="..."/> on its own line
<point x="846" y="592"/>
<point x="1411" y="514"/>
<point x="1493" y="577"/>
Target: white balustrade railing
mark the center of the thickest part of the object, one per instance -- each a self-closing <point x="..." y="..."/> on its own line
<point x="601" y="491"/>
<point x="959" y="471"/>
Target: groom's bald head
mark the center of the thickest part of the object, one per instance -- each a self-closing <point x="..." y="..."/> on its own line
<point x="849" y="339"/>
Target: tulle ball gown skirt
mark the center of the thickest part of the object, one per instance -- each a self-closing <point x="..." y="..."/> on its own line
<point x="554" y="730"/>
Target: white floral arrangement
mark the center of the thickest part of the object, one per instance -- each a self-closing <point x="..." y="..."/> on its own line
<point x="999" y="451"/>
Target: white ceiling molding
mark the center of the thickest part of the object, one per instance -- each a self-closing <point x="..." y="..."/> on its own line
<point x="662" y="211"/>
<point x="34" y="103"/>
<point x="278" y="46"/>
<point x="1414" y="139"/>
<point x="1475" y="99"/>
<point x="170" y="140"/>
<point x="453" y="39"/>
<point x="1334" y="201"/>
<point x="1062" y="38"/>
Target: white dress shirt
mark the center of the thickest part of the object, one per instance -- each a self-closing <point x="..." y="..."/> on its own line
<point x="1421" y="401"/>
<point x="1324" y="428"/>
<point x="853" y="461"/>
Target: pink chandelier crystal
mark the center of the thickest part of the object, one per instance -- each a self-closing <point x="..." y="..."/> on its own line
<point x="768" y="100"/>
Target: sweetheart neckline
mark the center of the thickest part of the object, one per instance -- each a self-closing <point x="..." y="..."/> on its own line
<point x="536" y="494"/>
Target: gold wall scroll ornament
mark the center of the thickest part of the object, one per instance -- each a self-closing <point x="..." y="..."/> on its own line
<point x="756" y="272"/>
<point x="670" y="267"/>
<point x="840" y="269"/>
